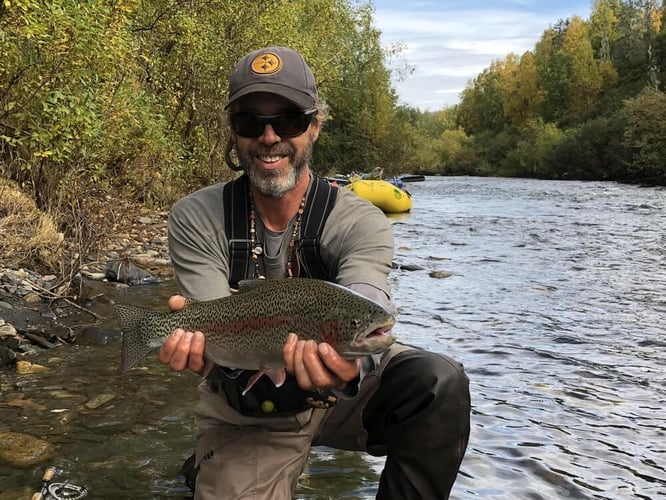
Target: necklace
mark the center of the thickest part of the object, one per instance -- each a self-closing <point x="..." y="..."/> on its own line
<point x="257" y="249"/>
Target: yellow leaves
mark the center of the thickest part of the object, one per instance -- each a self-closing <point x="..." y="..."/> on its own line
<point x="42" y="154"/>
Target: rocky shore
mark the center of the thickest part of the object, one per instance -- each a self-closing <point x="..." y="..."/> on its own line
<point x="33" y="316"/>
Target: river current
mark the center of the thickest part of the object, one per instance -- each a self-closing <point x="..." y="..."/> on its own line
<point x="551" y="293"/>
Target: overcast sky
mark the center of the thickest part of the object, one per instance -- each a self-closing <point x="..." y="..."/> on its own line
<point x="449" y="42"/>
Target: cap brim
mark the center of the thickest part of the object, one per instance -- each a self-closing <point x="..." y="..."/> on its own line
<point x="303" y="101"/>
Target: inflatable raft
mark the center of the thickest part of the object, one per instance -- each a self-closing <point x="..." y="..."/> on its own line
<point x="384" y="195"/>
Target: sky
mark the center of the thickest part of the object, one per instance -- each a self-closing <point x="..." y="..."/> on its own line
<point x="449" y="42"/>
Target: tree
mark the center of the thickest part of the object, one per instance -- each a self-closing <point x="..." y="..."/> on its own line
<point x="645" y="135"/>
<point x="521" y="94"/>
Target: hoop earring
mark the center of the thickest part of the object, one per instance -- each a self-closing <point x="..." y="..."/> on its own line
<point x="227" y="156"/>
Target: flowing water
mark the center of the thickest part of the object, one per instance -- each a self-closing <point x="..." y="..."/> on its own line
<point x="555" y="303"/>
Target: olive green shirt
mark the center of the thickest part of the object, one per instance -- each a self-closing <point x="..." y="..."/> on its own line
<point x="356" y="244"/>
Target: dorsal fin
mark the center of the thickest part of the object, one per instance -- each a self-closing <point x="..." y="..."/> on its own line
<point x="252" y="284"/>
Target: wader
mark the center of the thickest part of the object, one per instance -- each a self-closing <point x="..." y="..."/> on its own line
<point x="412" y="408"/>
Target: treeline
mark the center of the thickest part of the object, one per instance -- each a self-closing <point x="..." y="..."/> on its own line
<point x="128" y="95"/>
<point x="124" y="97"/>
<point x="588" y="102"/>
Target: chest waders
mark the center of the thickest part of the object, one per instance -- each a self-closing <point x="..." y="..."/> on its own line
<point x="264" y="399"/>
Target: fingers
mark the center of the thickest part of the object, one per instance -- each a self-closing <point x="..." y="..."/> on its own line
<point x="183" y="350"/>
<point x="344" y="369"/>
<point x="177" y="302"/>
<point x="317" y="366"/>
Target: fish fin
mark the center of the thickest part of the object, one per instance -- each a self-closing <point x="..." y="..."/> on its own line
<point x="277" y="376"/>
<point x="134" y="323"/>
<point x="252" y="381"/>
<point x="251" y="284"/>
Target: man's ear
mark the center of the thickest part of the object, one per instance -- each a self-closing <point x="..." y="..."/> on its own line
<point x="315" y="128"/>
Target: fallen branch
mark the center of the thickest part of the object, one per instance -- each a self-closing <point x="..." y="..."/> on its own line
<point x="37" y="339"/>
<point x="48" y="294"/>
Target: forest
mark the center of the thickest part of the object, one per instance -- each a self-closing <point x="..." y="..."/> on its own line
<point x="124" y="98"/>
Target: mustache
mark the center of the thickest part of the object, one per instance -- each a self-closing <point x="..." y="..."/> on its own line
<point x="282" y="149"/>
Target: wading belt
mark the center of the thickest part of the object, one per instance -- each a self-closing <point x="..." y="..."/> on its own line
<point x="264" y="399"/>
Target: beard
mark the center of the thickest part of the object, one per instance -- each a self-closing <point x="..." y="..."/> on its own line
<point x="275" y="183"/>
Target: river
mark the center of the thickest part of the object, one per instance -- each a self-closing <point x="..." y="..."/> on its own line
<point x="555" y="303"/>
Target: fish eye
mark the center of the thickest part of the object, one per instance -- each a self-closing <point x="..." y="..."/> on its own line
<point x="356" y="322"/>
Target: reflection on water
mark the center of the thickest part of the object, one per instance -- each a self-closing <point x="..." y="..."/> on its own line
<point x="556" y="306"/>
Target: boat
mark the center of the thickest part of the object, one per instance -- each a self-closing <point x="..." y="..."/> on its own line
<point x="338" y="180"/>
<point x="384" y="195"/>
<point x="412" y="178"/>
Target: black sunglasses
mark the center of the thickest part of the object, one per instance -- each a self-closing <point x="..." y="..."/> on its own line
<point x="289" y="124"/>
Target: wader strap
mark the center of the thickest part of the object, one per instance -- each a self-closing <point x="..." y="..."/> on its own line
<point x="236" y="226"/>
<point x="320" y="202"/>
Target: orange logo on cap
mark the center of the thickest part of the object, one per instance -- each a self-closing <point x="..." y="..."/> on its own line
<point x="266" y="64"/>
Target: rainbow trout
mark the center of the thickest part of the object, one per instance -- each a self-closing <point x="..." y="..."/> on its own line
<point x="248" y="329"/>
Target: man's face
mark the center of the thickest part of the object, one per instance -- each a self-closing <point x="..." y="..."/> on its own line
<point x="273" y="163"/>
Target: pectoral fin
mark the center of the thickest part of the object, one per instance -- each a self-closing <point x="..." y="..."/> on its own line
<point x="277" y="376"/>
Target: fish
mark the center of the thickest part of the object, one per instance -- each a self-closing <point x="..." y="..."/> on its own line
<point x="248" y="329"/>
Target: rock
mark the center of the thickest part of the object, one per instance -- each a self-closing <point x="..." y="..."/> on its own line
<point x="23" y="450"/>
<point x="7" y="356"/>
<point x="26" y="367"/>
<point x="7" y="330"/>
<point x="99" y="400"/>
<point x="32" y="298"/>
<point x="94" y="276"/>
<point x="5" y="305"/>
<point x="124" y="271"/>
<point x="407" y="267"/>
<point x="440" y="274"/>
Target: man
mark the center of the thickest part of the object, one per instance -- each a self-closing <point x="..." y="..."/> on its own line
<point x="409" y="405"/>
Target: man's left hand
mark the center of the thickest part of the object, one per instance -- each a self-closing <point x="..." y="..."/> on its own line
<point x="318" y="366"/>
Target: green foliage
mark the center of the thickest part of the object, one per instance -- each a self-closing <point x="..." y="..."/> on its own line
<point x="560" y="110"/>
<point x="530" y="157"/>
<point x="70" y="103"/>
<point x="127" y="96"/>
<point x="645" y="135"/>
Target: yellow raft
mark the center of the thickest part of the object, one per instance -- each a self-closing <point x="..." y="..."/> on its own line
<point x="384" y="195"/>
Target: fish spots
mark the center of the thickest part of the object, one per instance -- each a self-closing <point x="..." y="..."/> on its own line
<point x="330" y="331"/>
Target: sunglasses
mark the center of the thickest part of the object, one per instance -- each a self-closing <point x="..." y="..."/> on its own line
<point x="289" y="124"/>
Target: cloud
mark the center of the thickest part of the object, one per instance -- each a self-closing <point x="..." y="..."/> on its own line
<point x="447" y="47"/>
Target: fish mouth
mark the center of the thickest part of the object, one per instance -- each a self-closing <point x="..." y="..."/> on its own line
<point x="374" y="341"/>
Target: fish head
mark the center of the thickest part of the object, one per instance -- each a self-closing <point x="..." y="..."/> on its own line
<point x="361" y="333"/>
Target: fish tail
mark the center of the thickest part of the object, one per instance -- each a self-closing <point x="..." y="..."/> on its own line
<point x="136" y="341"/>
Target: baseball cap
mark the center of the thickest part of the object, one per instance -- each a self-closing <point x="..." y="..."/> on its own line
<point x="277" y="70"/>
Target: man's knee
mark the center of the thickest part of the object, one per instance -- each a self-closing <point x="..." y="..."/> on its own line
<point x="424" y="372"/>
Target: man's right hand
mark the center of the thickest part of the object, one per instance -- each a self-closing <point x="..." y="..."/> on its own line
<point x="184" y="349"/>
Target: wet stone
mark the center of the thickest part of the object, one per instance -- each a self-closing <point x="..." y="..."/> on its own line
<point x="99" y="400"/>
<point x="440" y="274"/>
<point x="7" y="330"/>
<point x="26" y="367"/>
<point x="23" y="450"/>
<point x="7" y="356"/>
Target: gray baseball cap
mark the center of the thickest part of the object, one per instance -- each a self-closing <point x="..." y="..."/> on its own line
<point x="277" y="70"/>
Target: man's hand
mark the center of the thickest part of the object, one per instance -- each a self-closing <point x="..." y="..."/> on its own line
<point x="318" y="366"/>
<point x="184" y="349"/>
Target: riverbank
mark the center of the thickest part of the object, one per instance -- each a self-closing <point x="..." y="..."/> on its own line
<point x="34" y="315"/>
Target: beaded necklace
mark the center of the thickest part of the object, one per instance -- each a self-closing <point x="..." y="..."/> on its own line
<point x="257" y="249"/>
